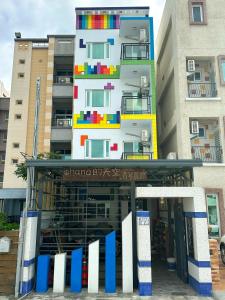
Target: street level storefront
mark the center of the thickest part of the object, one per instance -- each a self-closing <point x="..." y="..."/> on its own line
<point x="113" y="225"/>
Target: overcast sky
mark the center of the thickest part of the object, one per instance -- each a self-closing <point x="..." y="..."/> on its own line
<point x="37" y="18"/>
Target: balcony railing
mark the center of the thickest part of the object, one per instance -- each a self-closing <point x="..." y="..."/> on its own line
<point x="202" y="90"/>
<point x="63" y="80"/>
<point x="136" y="105"/>
<point x="207" y="154"/>
<point x="135" y="51"/>
<point x="62" y="121"/>
<point x="137" y="155"/>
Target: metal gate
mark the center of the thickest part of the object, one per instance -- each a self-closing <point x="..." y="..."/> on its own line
<point x="78" y="213"/>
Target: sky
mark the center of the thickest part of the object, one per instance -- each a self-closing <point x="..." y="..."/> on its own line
<point x="37" y="18"/>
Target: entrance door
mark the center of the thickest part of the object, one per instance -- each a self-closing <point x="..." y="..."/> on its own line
<point x="180" y="238"/>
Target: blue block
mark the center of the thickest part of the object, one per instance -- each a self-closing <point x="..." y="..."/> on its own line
<point x="43" y="264"/>
<point x="26" y="286"/>
<point x="110" y="41"/>
<point x="145" y="288"/>
<point x="76" y="271"/>
<point x="110" y="263"/>
<point x="202" y="288"/>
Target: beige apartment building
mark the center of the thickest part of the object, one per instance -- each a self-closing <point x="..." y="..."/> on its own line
<point x="191" y="95"/>
<point x="51" y="59"/>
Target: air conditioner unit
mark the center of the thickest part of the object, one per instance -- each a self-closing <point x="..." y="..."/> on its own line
<point x="143" y="35"/>
<point x="61" y="122"/>
<point x="67" y="80"/>
<point x="194" y="127"/>
<point x="144" y="82"/>
<point x="172" y="155"/>
<point x="191" y="65"/>
<point x="62" y="80"/>
<point x="144" y="135"/>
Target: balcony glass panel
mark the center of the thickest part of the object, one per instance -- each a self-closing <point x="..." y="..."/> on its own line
<point x="207" y="154"/>
<point x="136" y="105"/>
<point x="134" y="51"/>
<point x="202" y="90"/>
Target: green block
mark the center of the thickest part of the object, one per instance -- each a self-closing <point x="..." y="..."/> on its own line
<point x="135" y="62"/>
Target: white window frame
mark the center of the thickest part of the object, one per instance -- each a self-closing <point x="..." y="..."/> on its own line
<point x="200" y="76"/>
<point x="201" y="12"/>
<point x="133" y="142"/>
<point x="90" y="46"/>
<point x="89" y="141"/>
<point x="217" y="209"/>
<point x="105" y="104"/>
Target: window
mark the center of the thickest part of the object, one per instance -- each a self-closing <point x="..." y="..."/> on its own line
<point x="132" y="147"/>
<point x="97" y="98"/>
<point x="3" y="135"/>
<point x="2" y="156"/>
<point x="22" y="61"/>
<point x="197" y="12"/>
<point x="20" y="75"/>
<point x="14" y="161"/>
<point x="18" y="116"/>
<point x="213" y="215"/>
<point x="197" y="15"/>
<point x="19" y="102"/>
<point x="97" y="148"/>
<point x="201" y="132"/>
<point x="98" y="50"/>
<point x="221" y="61"/>
<point x="16" y="145"/>
<point x="6" y="115"/>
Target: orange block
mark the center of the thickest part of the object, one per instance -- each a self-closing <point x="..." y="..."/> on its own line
<point x="83" y="138"/>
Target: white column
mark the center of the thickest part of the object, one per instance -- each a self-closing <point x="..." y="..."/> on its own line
<point x="30" y="221"/>
<point x="93" y="267"/>
<point x="127" y="254"/>
<point x="59" y="273"/>
<point x="144" y="253"/>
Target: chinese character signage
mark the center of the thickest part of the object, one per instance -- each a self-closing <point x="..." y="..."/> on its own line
<point x="104" y="174"/>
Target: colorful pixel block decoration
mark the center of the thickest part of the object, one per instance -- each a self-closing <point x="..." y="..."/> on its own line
<point x="110" y="41"/>
<point x="114" y="147"/>
<point x="96" y="69"/>
<point x="83" y="138"/>
<point x="109" y="86"/>
<point x="98" y="22"/>
<point x="90" y="118"/>
<point x="75" y="92"/>
<point x="82" y="45"/>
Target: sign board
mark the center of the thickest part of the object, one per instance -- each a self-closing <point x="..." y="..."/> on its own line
<point x="5" y="244"/>
<point x="104" y="174"/>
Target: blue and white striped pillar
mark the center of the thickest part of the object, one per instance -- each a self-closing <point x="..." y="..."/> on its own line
<point x="28" y="267"/>
<point x="199" y="266"/>
<point x="144" y="253"/>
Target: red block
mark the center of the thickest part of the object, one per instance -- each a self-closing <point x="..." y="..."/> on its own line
<point x="75" y="92"/>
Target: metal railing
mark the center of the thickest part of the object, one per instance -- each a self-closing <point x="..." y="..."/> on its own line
<point x="63" y="80"/>
<point x="207" y="154"/>
<point x="136" y="105"/>
<point x="62" y="121"/>
<point x="135" y="51"/>
<point x="202" y="90"/>
<point x="137" y="155"/>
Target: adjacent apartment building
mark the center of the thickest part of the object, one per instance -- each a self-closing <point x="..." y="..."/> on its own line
<point x="191" y="95"/>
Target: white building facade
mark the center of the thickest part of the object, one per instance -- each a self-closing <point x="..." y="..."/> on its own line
<point x="114" y="89"/>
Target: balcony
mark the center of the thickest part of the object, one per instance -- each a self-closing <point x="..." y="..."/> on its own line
<point x="135" y="52"/>
<point x="207" y="154"/>
<point x="136" y="105"/>
<point x="62" y="121"/>
<point x="64" y="80"/>
<point x="137" y="155"/>
<point x="202" y="90"/>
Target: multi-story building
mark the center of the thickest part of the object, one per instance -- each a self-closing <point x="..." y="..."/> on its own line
<point x="114" y="87"/>
<point x="4" y="115"/>
<point x="51" y="60"/>
<point x="191" y="96"/>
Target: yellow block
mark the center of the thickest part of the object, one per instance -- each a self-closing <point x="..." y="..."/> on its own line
<point x="80" y="68"/>
<point x="138" y="157"/>
<point x="105" y="22"/>
<point x="114" y="126"/>
<point x="89" y="22"/>
<point x="137" y="117"/>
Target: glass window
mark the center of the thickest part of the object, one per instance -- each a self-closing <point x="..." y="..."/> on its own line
<point x="132" y="147"/>
<point x="213" y="215"/>
<point x="97" y="98"/>
<point x="97" y="148"/>
<point x="201" y="132"/>
<point x="221" y="61"/>
<point x="197" y="13"/>
<point x="197" y="76"/>
<point x="98" y="50"/>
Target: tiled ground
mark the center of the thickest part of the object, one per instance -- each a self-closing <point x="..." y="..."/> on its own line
<point x="167" y="283"/>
